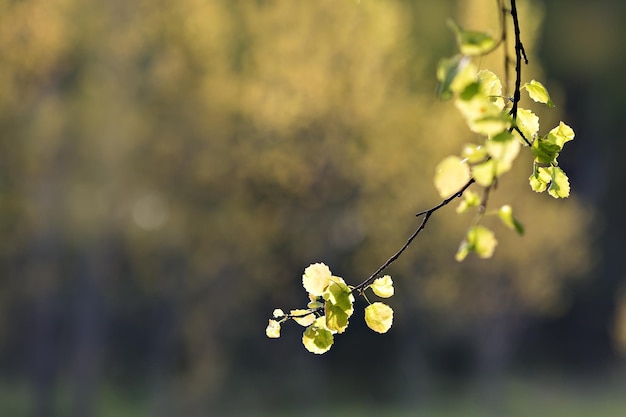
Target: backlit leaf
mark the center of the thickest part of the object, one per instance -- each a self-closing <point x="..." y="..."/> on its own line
<point x="559" y="187"/>
<point x="383" y="287"/>
<point x="273" y="329"/>
<point x="379" y="317"/>
<point x="302" y="318"/>
<point x="472" y="42"/>
<point x="561" y="134"/>
<point x="538" y="92"/>
<point x="451" y="174"/>
<point x="316" y="278"/>
<point x="506" y="215"/>
<point x="528" y="123"/>
<point x="317" y="338"/>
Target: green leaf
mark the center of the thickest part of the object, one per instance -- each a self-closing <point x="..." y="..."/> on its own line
<point x="528" y="123"/>
<point x="313" y="305"/>
<point x="301" y="317"/>
<point x="379" y="317"/>
<point x="316" y="278"/>
<point x="484" y="173"/>
<point x="278" y="313"/>
<point x="474" y="153"/>
<point x="503" y="154"/>
<point x="545" y="151"/>
<point x="483" y="241"/>
<point x="492" y="87"/>
<point x="273" y="329"/>
<point x="479" y="240"/>
<point x="472" y="42"/>
<point x="538" y="92"/>
<point x="540" y="179"/>
<point x="317" y="338"/>
<point x="559" y="187"/>
<point x="506" y="215"/>
<point x="470" y="199"/>
<point x="336" y="317"/>
<point x="451" y="174"/>
<point x="383" y="287"/>
<point x="453" y="75"/>
<point x="560" y="135"/>
<point x="340" y="295"/>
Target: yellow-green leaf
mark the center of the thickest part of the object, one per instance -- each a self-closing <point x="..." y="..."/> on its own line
<point x="470" y="199"/>
<point x="379" y="317"/>
<point x="538" y="92"/>
<point x="506" y="215"/>
<point x="383" y="287"/>
<point x="559" y="187"/>
<point x="278" y="313"/>
<point x="336" y="317"/>
<point x="561" y="134"/>
<point x="528" y="123"/>
<point x="273" y="329"/>
<point x="471" y="42"/>
<point x="302" y="317"/>
<point x="483" y="241"/>
<point x="317" y="338"/>
<point x="451" y="175"/>
<point x="316" y="278"/>
<point x="492" y="87"/>
<point x="484" y="173"/>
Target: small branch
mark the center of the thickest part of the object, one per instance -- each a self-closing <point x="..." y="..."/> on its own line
<point x="427" y="213"/>
<point x="519" y="54"/>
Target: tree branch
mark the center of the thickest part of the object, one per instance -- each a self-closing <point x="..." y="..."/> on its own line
<point x="427" y="213"/>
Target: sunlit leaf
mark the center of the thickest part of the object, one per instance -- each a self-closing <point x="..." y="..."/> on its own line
<point x="474" y="153"/>
<point x="538" y="92"/>
<point x="561" y="134"/>
<point x="379" y="317"/>
<point x="545" y="152"/>
<point x="472" y="42"/>
<point x="451" y="174"/>
<point x="453" y="75"/>
<point x="278" y="313"/>
<point x="492" y="87"/>
<point x="528" y="123"/>
<point x="340" y="295"/>
<point x="479" y="240"/>
<point x="540" y="179"/>
<point x="484" y="173"/>
<point x="301" y="317"/>
<point x="336" y="317"/>
<point x="273" y="329"/>
<point x="503" y="154"/>
<point x="506" y="215"/>
<point x="317" y="338"/>
<point x="316" y="278"/>
<point x="315" y="305"/>
<point x="559" y="187"/>
<point x="470" y="199"/>
<point x="383" y="287"/>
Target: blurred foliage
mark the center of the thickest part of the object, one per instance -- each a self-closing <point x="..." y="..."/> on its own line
<point x="169" y="168"/>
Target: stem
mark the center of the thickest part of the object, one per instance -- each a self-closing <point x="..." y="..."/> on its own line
<point x="427" y="213"/>
<point x="519" y="54"/>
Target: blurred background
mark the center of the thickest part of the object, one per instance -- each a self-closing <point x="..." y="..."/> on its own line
<point x="168" y="170"/>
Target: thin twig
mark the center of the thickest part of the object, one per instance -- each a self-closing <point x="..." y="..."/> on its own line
<point x="519" y="54"/>
<point x="427" y="213"/>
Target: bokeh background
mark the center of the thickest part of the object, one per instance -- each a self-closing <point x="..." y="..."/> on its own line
<point x="169" y="168"/>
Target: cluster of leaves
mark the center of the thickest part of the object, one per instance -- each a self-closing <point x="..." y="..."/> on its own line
<point x="504" y="129"/>
<point x="331" y="304"/>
